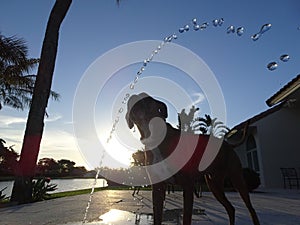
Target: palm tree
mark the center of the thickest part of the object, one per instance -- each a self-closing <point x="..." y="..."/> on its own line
<point x="22" y="189"/>
<point x="16" y="85"/>
<point x="203" y="125"/>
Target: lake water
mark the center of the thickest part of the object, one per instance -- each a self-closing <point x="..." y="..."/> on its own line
<point x="62" y="185"/>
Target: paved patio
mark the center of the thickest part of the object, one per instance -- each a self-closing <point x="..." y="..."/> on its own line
<point x="274" y="207"/>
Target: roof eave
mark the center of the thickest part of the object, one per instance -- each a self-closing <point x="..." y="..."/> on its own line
<point x="283" y="93"/>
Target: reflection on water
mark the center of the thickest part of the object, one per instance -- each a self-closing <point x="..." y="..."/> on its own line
<point x="115" y="216"/>
<point x="120" y="217"/>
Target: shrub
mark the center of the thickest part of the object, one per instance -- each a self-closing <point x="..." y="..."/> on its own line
<point x="40" y="189"/>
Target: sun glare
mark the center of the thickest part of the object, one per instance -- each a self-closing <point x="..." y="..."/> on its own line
<point x="118" y="152"/>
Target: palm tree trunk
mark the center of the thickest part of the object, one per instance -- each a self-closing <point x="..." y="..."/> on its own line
<point x="22" y="190"/>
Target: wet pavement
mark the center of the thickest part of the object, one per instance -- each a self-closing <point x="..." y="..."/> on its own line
<point x="274" y="207"/>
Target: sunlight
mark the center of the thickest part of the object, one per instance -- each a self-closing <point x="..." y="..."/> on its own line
<point x="114" y="215"/>
<point x="118" y="152"/>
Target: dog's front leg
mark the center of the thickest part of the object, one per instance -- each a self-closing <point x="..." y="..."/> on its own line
<point x="188" y="196"/>
<point x="158" y="196"/>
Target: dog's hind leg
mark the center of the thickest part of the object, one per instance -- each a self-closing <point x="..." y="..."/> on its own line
<point x="239" y="184"/>
<point x="158" y="196"/>
<point x="216" y="185"/>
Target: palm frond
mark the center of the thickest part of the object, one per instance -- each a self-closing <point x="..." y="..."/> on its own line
<point x="13" y="49"/>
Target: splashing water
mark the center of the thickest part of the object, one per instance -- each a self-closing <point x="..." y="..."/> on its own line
<point x="240" y="31"/>
<point x="215" y="22"/>
<point x="284" y="57"/>
<point x="230" y="29"/>
<point x="181" y="30"/>
<point x="167" y="39"/>
<point x="263" y="29"/>
<point x="272" y="66"/>
<point x="84" y="221"/>
<point x="218" y="22"/>
<point x="204" y="25"/>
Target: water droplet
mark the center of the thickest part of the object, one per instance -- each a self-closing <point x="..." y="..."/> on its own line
<point x="272" y="66"/>
<point x="240" y="31"/>
<point x="126" y="98"/>
<point x="204" y="25"/>
<point x="167" y="39"/>
<point x="186" y="27"/>
<point x="151" y="57"/>
<point x="139" y="72"/>
<point x="220" y="22"/>
<point x="215" y="22"/>
<point x="265" y="28"/>
<point x="194" y="21"/>
<point x="255" y="37"/>
<point x="181" y="30"/>
<point x="174" y="36"/>
<point x="284" y="57"/>
<point x="196" y="27"/>
<point x="136" y="79"/>
<point x="145" y="63"/>
<point x="131" y="86"/>
<point x="230" y="29"/>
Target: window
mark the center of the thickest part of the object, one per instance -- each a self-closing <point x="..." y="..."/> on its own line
<point x="252" y="157"/>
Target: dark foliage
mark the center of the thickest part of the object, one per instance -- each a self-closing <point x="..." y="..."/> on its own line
<point x="40" y="189"/>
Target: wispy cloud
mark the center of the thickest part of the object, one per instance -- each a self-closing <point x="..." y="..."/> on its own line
<point x="199" y="97"/>
<point x="7" y="121"/>
<point x="10" y="121"/>
<point x="53" y="118"/>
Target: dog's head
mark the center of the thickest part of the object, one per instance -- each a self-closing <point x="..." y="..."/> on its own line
<point x="141" y="109"/>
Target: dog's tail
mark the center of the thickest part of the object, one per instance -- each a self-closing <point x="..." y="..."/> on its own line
<point x="233" y="131"/>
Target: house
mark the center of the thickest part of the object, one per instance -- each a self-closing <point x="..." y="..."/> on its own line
<point x="273" y="138"/>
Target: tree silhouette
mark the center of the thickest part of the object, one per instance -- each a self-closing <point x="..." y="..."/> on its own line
<point x="8" y="159"/>
<point x="16" y="84"/>
<point x="190" y="122"/>
<point x="22" y="189"/>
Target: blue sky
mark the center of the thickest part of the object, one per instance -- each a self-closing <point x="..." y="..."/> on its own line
<point x="91" y="28"/>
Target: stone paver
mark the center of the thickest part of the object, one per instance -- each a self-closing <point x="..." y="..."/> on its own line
<point x="274" y="207"/>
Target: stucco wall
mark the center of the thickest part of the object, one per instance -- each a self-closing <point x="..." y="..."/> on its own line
<point x="277" y="138"/>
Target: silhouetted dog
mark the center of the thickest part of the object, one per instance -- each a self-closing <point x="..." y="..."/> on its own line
<point x="164" y="140"/>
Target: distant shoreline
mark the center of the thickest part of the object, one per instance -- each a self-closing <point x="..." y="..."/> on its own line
<point x="11" y="178"/>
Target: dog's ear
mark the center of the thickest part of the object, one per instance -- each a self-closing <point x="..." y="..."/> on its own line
<point x="129" y="121"/>
<point x="132" y="100"/>
<point x="162" y="108"/>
